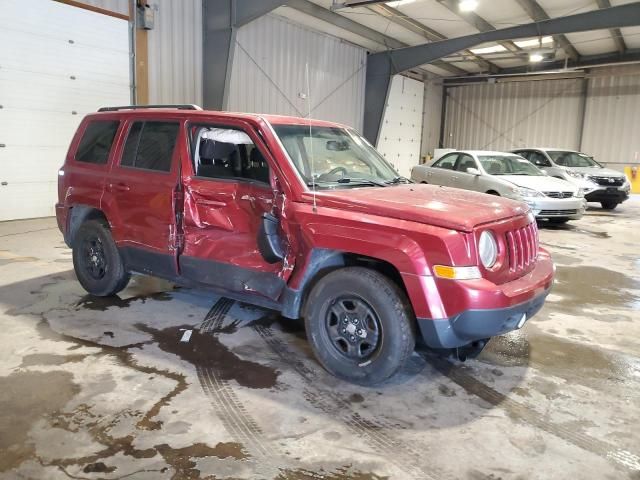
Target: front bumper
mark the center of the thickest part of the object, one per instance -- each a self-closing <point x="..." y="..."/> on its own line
<point x="572" y="208"/>
<point x="473" y="325"/>
<point x="604" y="194"/>
<point x="490" y="309"/>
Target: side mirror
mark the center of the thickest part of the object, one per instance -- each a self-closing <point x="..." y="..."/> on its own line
<point x="269" y="241"/>
<point x="473" y="171"/>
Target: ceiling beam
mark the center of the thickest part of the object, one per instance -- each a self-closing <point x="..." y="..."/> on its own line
<point x="361" y="30"/>
<point x="478" y="22"/>
<point x="586" y="61"/>
<point x="537" y="13"/>
<point x="382" y="66"/>
<point x="397" y="17"/>
<point x="616" y="34"/>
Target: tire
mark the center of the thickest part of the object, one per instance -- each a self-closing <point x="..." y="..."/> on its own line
<point x="372" y="348"/>
<point x="493" y="192"/>
<point x="609" y="204"/>
<point x="557" y="221"/>
<point x="96" y="260"/>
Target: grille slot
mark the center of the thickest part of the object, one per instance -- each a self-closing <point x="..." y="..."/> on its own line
<point x="556" y="213"/>
<point x="522" y="247"/>
<point x="559" y="194"/>
<point x="606" y="181"/>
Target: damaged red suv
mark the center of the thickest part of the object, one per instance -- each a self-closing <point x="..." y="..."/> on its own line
<point x="303" y="217"/>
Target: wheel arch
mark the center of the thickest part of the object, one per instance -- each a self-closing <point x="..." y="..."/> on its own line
<point x="323" y="262"/>
<point x="78" y="215"/>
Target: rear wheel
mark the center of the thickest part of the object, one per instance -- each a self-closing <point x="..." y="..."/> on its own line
<point x="360" y="325"/>
<point x="609" y="204"/>
<point x="96" y="260"/>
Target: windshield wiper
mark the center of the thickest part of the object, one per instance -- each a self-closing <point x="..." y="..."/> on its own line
<point x="362" y="181"/>
<point x="397" y="180"/>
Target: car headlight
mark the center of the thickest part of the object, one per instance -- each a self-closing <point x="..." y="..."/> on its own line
<point x="575" y="174"/>
<point x="580" y="193"/>
<point x="527" y="192"/>
<point x="488" y="249"/>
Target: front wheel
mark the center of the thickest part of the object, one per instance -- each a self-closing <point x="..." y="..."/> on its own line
<point x="96" y="260"/>
<point x="609" y="204"/>
<point x="360" y="325"/>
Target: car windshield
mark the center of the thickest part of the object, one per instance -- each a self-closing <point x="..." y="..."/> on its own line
<point x="508" y="165"/>
<point x="333" y="157"/>
<point x="573" y="159"/>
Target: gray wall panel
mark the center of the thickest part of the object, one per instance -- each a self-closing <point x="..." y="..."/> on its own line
<point x="268" y="73"/>
<point x="612" y="123"/>
<point x="503" y="116"/>
<point x="175" y="52"/>
<point x="432" y="118"/>
<point x="119" y="6"/>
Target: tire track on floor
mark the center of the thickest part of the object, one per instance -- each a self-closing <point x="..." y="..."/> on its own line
<point x="377" y="434"/>
<point x="621" y="458"/>
<point x="234" y="416"/>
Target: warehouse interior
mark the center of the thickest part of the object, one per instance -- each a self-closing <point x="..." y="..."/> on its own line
<point x="168" y="380"/>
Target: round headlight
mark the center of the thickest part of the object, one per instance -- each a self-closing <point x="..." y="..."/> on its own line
<point x="488" y="249"/>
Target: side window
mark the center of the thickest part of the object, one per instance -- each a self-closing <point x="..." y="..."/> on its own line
<point x="464" y="162"/>
<point x="228" y="153"/>
<point x="447" y="162"/>
<point x="96" y="142"/>
<point x="539" y="159"/>
<point x="523" y="153"/>
<point x="150" y="145"/>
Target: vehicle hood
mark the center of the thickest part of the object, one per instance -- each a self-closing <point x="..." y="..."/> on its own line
<point x="540" y="183"/>
<point x="598" y="172"/>
<point x="445" y="207"/>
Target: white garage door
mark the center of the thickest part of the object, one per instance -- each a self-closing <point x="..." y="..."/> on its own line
<point x="57" y="63"/>
<point x="401" y="132"/>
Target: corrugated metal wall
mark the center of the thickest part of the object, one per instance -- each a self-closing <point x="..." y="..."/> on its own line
<point x="175" y="52"/>
<point x="268" y="74"/>
<point x="119" y="6"/>
<point x="432" y="115"/>
<point x="612" y="122"/>
<point x="502" y="116"/>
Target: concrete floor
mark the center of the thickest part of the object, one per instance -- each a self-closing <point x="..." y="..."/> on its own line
<point x="103" y="388"/>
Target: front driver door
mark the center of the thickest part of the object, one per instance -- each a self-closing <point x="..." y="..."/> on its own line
<point x="227" y="190"/>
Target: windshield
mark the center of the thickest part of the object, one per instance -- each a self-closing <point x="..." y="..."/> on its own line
<point x="573" y="159"/>
<point x="330" y="157"/>
<point x="508" y="165"/>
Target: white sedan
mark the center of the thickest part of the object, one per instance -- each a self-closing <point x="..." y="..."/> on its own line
<point x="507" y="175"/>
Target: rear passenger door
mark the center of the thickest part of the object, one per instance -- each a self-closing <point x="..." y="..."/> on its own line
<point x="141" y="194"/>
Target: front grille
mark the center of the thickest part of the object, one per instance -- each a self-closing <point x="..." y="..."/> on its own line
<point x="522" y="247"/>
<point x="608" y="181"/>
<point x="556" y="213"/>
<point x="559" y="194"/>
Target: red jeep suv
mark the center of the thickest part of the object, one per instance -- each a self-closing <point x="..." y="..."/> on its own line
<point x="300" y="216"/>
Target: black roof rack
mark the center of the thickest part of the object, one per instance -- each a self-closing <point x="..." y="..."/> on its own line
<point x="141" y="107"/>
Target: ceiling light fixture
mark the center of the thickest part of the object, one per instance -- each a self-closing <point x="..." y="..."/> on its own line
<point x="399" y="3"/>
<point x="468" y="5"/>
<point x="536" y="57"/>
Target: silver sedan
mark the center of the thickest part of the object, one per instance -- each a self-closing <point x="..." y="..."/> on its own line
<point x="507" y="175"/>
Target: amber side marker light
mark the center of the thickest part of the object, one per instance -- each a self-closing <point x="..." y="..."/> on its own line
<point x="457" y="273"/>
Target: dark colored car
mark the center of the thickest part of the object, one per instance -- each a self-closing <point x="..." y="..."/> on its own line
<point x="303" y="217"/>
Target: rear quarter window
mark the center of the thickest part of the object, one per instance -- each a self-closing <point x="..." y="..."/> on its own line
<point x="96" y="142"/>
